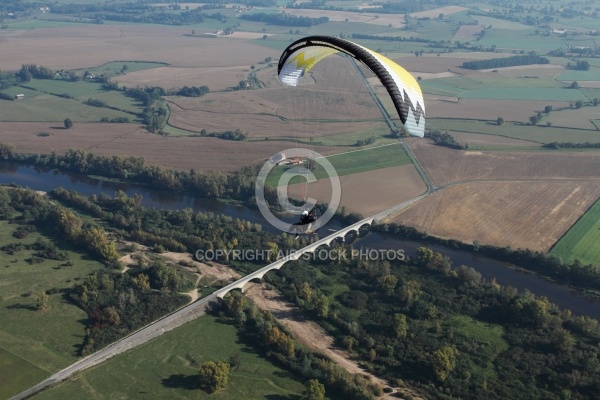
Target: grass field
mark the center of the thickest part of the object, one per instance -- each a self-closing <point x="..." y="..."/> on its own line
<point x="486" y="337"/>
<point x="167" y="367"/>
<point x="116" y="67"/>
<point x="45" y="341"/>
<point x="79" y="89"/>
<point x="582" y="241"/>
<point x="352" y="162"/>
<point x="39" y="107"/>
<point x="17" y="374"/>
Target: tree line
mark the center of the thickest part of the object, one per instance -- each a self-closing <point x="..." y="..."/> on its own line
<point x="571" y="145"/>
<point x="522" y="59"/>
<point x="212" y="184"/>
<point x="443" y="139"/>
<point x="285" y="19"/>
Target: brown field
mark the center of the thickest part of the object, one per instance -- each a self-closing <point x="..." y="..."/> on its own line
<point x="216" y="78"/>
<point x="317" y="107"/>
<point x="369" y="192"/>
<point x="94" y="45"/>
<point x="580" y="118"/>
<point x="181" y="153"/>
<point x="445" y="165"/>
<point x="525" y="214"/>
<point x="396" y="20"/>
<point x="269" y="113"/>
<point x="437" y="11"/>
<point x="488" y="109"/>
<point x="479" y="139"/>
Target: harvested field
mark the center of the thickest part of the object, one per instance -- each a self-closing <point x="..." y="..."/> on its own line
<point x="578" y="118"/>
<point x="93" y="45"/>
<point x="396" y="20"/>
<point x="328" y="101"/>
<point x="272" y="113"/>
<point x="445" y="165"/>
<point x="485" y="109"/>
<point x="525" y="214"/>
<point x="369" y="192"/>
<point x="476" y="139"/>
<point x="181" y="153"/>
<point x="216" y="78"/>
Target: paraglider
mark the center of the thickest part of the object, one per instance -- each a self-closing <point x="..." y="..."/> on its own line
<point x="299" y="57"/>
<point x="303" y="54"/>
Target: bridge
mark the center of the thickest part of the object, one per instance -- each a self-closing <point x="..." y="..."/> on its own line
<point x="311" y="248"/>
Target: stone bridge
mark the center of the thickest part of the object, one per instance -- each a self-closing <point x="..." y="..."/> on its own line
<point x="311" y="248"/>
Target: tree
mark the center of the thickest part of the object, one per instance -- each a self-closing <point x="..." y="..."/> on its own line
<point x="68" y="123"/>
<point x="533" y="119"/>
<point x="500" y="121"/>
<point x="214" y="375"/>
<point x="444" y="362"/>
<point x="574" y="85"/>
<point x="314" y="390"/>
<point x="41" y="300"/>
<point x="547" y="109"/>
<point x="400" y="325"/>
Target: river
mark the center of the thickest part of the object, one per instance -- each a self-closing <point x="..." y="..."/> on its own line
<point x="505" y="274"/>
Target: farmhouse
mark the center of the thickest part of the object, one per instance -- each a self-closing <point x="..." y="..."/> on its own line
<point x="19" y="96"/>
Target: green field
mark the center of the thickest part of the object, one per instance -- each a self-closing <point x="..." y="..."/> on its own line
<point x="486" y="337"/>
<point x="167" y="368"/>
<point x="79" y="89"/>
<point x="17" y="374"/>
<point x="502" y="89"/>
<point x="42" y="103"/>
<point x="510" y="39"/>
<point x="45" y="341"/>
<point x="352" y="162"/>
<point x="582" y="241"/>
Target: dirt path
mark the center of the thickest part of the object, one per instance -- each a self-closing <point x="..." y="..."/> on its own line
<point x="312" y="335"/>
<point x="307" y="332"/>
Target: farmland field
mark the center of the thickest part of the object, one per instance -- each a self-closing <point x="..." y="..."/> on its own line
<point x="582" y="240"/>
<point x="167" y="367"/>
<point x="355" y="161"/>
<point x="38" y="106"/>
<point x="180" y="153"/>
<point x="523" y="214"/>
<point x="369" y="192"/>
<point x="445" y="165"/>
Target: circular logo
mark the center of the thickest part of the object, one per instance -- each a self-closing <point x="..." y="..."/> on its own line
<point x="282" y="186"/>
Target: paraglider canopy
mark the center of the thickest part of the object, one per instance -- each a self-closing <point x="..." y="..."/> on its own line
<point x="404" y="90"/>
